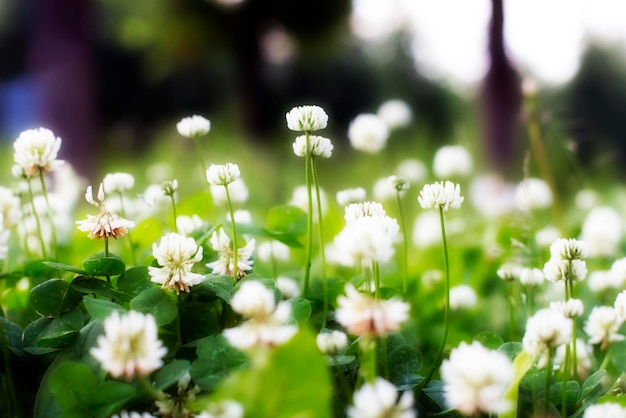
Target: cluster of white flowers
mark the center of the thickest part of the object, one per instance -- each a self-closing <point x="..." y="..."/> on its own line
<point x="306" y="118"/>
<point x="319" y="146"/>
<point x="603" y="229"/>
<point x="566" y="260"/>
<point x="368" y="133"/>
<point x="546" y="330"/>
<point x="187" y="225"/>
<point x="289" y="288"/>
<point x="411" y="169"/>
<point x="509" y="271"/>
<point x="452" y="161"/>
<point x="193" y="126"/>
<point x="267" y="326"/>
<point x="224" y="265"/>
<point x="379" y="399"/>
<point x="35" y="151"/>
<point x="462" y="297"/>
<point x="176" y="254"/>
<point x="572" y="308"/>
<point x="106" y="224"/>
<point x="441" y="196"/>
<point x="222" y="174"/>
<point x="130" y="346"/>
<point x="605" y="410"/>
<point x="332" y="342"/>
<point x="354" y="195"/>
<point x="362" y="314"/>
<point x="475" y="379"/>
<point x="603" y="325"/>
<point x="532" y="194"/>
<point x="531" y="276"/>
<point x="9" y="207"/>
<point x="118" y="182"/>
<point x="620" y="305"/>
<point x="368" y="236"/>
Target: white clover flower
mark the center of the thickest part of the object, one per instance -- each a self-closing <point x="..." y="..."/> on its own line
<point x="223" y="409"/>
<point x="176" y="254"/>
<point x="395" y="113"/>
<point x="35" y="151"/>
<point x="618" y="271"/>
<point x="601" y="280"/>
<point x="319" y="146"/>
<point x="583" y="355"/>
<point x="133" y="414"/>
<point x="531" y="276"/>
<point x="118" y="182"/>
<point x="602" y="229"/>
<point x="476" y="378"/>
<point x="462" y="297"/>
<point x="569" y="249"/>
<point x="299" y="199"/>
<point x="237" y="190"/>
<point x="368" y="133"/>
<point x="289" y="288"/>
<point x="4" y="239"/>
<point x="546" y="236"/>
<point x="452" y="161"/>
<point x="359" y="210"/>
<point x="155" y="198"/>
<point x="224" y="265"/>
<point x="380" y="400"/>
<point x="545" y="330"/>
<point x="491" y="195"/>
<point x="383" y="190"/>
<point x="242" y="216"/>
<point x="573" y="308"/>
<point x="332" y="342"/>
<point x="187" y="225"/>
<point x="222" y="174"/>
<point x="361" y="314"/>
<point x="272" y="250"/>
<point x="431" y="277"/>
<point x="620" y="305"/>
<point x="440" y="195"/>
<point x="306" y="118"/>
<point x="106" y="224"/>
<point x="586" y="199"/>
<point x="533" y="193"/>
<point x="603" y="326"/>
<point x="193" y="126"/>
<point x="605" y="410"/>
<point x="412" y="170"/>
<point x="9" y="207"/>
<point x="130" y="346"/>
<point x="509" y="271"/>
<point x="266" y="326"/>
<point x="556" y="270"/>
<point x="347" y="196"/>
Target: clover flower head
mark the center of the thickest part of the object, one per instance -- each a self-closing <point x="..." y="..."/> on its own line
<point x="572" y="308"/>
<point x="546" y="329"/>
<point x="476" y="378"/>
<point x="379" y="399"/>
<point x="605" y="410"/>
<point x="603" y="326"/>
<point x="220" y="242"/>
<point x="569" y="249"/>
<point x="509" y="271"/>
<point x="331" y="342"/>
<point x="193" y="126"/>
<point x="9" y="207"/>
<point x="412" y="169"/>
<point x="319" y="146"/>
<point x="359" y="210"/>
<point x="440" y="195"/>
<point x="618" y="271"/>
<point x="176" y="254"/>
<point x="306" y="118"/>
<point x="452" y="161"/>
<point x="462" y="297"/>
<point x="583" y="354"/>
<point x="169" y="187"/>
<point x="133" y="414"/>
<point x="35" y="151"/>
<point x="368" y="133"/>
<point x="299" y="199"/>
<point x="383" y="190"/>
<point x="130" y="346"/>
<point x="620" y="305"/>
<point x="289" y="288"/>
<point x="602" y="229"/>
<point x="253" y="299"/>
<point x="533" y="193"/>
<point x="396" y="113"/>
<point x="399" y="183"/>
<point x="4" y="239"/>
<point x="362" y="314"/>
<point x="531" y="276"/>
<point x="106" y="224"/>
<point x="273" y="250"/>
<point x="556" y="270"/>
<point x="347" y="196"/>
<point x="223" y="409"/>
<point x="222" y="174"/>
<point x="187" y="225"/>
<point x="118" y="182"/>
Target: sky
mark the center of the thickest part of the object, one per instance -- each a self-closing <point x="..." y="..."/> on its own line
<point x="544" y="38"/>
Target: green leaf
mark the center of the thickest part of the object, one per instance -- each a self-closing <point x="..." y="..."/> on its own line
<point x="101" y="308"/>
<point x="31" y="336"/>
<point x="99" y="265"/>
<point x="216" y="360"/>
<point x="405" y="362"/>
<point x="287" y="219"/>
<point x="511" y="349"/>
<point x="199" y="319"/>
<point x="38" y="269"/>
<point x="99" y="287"/>
<point x="489" y="340"/>
<point x="572" y="391"/>
<point x="591" y="383"/>
<point x="617" y="351"/>
<point x="12" y="334"/>
<point x="61" y="330"/>
<point x="300" y="310"/>
<point x="65" y="267"/>
<point x="220" y="286"/>
<point x="157" y="302"/>
<point x="171" y="374"/>
<point x="134" y="281"/>
<point x="521" y="365"/>
<point x="53" y="297"/>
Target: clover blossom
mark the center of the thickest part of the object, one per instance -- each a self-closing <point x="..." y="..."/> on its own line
<point x="331" y="342"/>
<point x="546" y="330"/>
<point x="361" y="314"/>
<point x="9" y="207"/>
<point x="106" y="224"/>
<point x="379" y="399"/>
<point x="509" y="271"/>
<point x="347" y="196"/>
<point x="569" y="249"/>
<point x="560" y="270"/>
<point x="572" y="308"/>
<point x="533" y="193"/>
<point x="319" y="146"/>
<point x="288" y="288"/>
<point x="118" y="182"/>
<point x="605" y="410"/>
<point x="476" y="378"/>
<point x="130" y="346"/>
<point x="222" y="174"/>
<point x="603" y="326"/>
<point x="193" y="126"/>
<point x="531" y="276"/>
<point x="4" y="239"/>
<point x="368" y="133"/>
<point x="452" y="160"/>
<point x="36" y="152"/>
<point x="133" y="414"/>
<point x="176" y="254"/>
<point x="462" y="297"/>
<point x="440" y="195"/>
<point x="223" y="409"/>
<point x="620" y="305"/>
<point x="267" y="323"/>
<point x="395" y="113"/>
<point x="306" y="118"/>
<point x="224" y="265"/>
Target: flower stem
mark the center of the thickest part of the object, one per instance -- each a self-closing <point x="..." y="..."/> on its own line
<point x="196" y="141"/>
<point x="309" y="241"/>
<point x="565" y="379"/>
<point x="174" y="212"/>
<point x="546" y="400"/>
<point x="37" y="220"/>
<point x="234" y="226"/>
<point x="106" y="254"/>
<point x="403" y="262"/>
<point x="511" y="312"/>
<point x="50" y="214"/>
<point x="321" y="241"/>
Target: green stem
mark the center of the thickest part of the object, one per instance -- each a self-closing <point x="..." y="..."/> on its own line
<point x="50" y="215"/>
<point x="511" y="312"/>
<point x="574" y="351"/>
<point x="376" y="274"/>
<point x="607" y="357"/>
<point x="37" y="220"/>
<point x="439" y="355"/>
<point x="565" y="378"/>
<point x="320" y="227"/>
<point x="155" y="394"/>
<point x="174" y="211"/>
<point x="546" y="400"/>
<point x="309" y="241"/>
<point x="403" y="262"/>
<point x="235" y="246"/>
<point x="106" y="254"/>
<point x="196" y="141"/>
<point x="382" y="340"/>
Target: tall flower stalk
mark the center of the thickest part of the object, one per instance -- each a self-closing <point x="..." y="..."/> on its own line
<point x="53" y="232"/>
<point x="169" y="189"/>
<point x="441" y="196"/>
<point x="401" y="185"/>
<point x="37" y="219"/>
<point x="195" y="127"/>
<point x="308" y="119"/>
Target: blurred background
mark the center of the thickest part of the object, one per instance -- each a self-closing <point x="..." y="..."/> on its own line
<point x="110" y="77"/>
